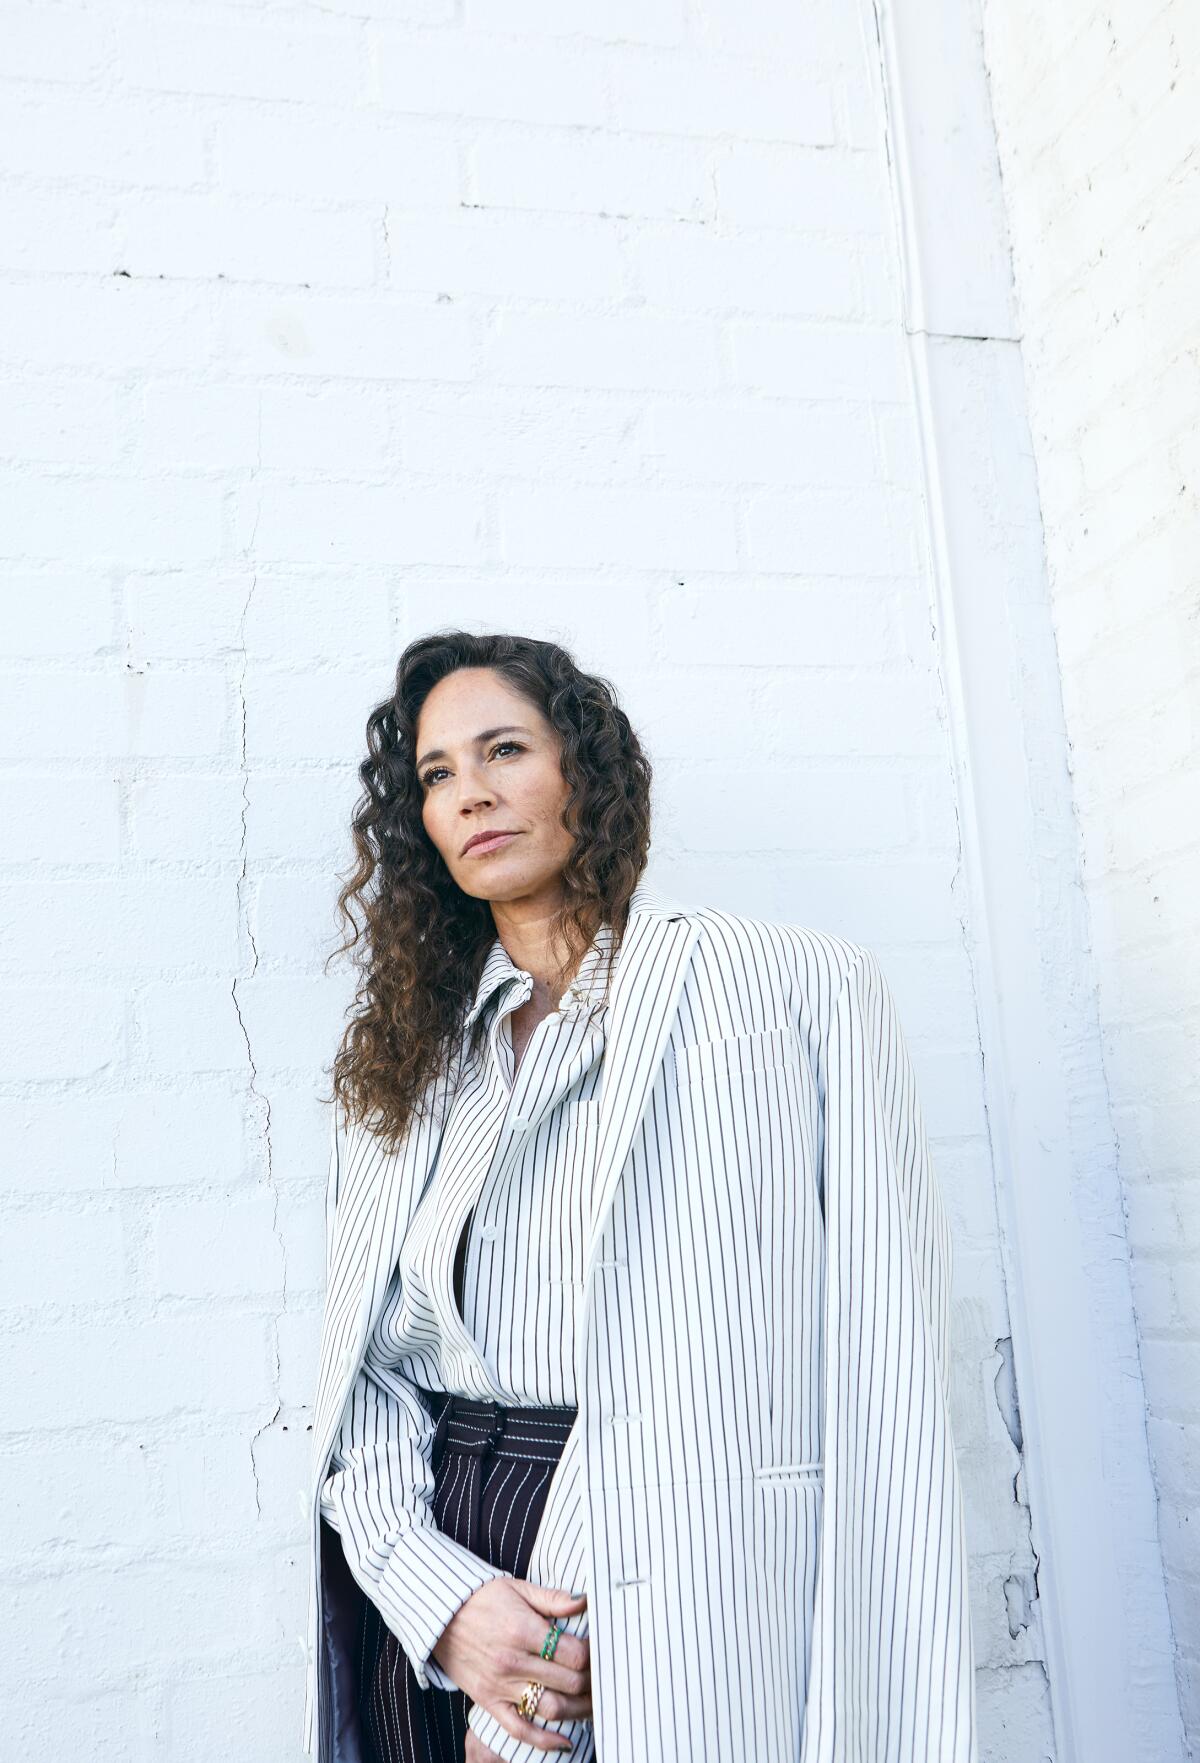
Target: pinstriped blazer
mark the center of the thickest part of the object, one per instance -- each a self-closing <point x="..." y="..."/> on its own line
<point x="760" y="1494"/>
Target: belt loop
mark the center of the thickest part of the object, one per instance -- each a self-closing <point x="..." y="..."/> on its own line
<point x="442" y="1428"/>
<point x="474" y="1537"/>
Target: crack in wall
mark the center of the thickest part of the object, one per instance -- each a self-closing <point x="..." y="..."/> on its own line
<point x="259" y="1097"/>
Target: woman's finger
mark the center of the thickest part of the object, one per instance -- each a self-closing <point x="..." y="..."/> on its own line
<point x="554" y="1706"/>
<point x="525" y="1730"/>
<point x="567" y="1669"/>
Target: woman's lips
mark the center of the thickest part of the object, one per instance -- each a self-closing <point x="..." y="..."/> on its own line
<point x="493" y="842"/>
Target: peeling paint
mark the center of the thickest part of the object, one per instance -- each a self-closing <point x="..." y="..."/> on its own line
<point x="1021" y="1589"/>
<point x="1019" y="1597"/>
<point x="1006" y="1393"/>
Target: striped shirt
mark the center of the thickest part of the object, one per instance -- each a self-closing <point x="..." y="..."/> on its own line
<point x="511" y="1186"/>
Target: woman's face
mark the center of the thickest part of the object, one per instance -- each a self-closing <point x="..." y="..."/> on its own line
<point x="488" y="762"/>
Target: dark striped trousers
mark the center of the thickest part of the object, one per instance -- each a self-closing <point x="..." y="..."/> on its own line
<point x="492" y="1466"/>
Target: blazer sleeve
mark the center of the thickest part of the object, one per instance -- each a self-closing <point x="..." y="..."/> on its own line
<point x="378" y="1493"/>
<point x="892" y="1667"/>
<point x="378" y="1496"/>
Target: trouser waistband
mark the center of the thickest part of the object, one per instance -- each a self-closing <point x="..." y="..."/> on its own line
<point x="473" y="1425"/>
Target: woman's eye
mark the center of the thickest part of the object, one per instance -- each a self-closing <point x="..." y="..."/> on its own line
<point x="430" y="776"/>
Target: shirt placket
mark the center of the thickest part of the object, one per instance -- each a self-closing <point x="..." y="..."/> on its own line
<point x="518" y="1119"/>
<point x="512" y="1121"/>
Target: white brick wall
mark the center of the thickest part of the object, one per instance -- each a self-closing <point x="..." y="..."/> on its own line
<point x="319" y="330"/>
<point x="1096" y="118"/>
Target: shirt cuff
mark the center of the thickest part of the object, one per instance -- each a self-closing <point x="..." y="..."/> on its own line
<point x="440" y="1680"/>
<point x="427" y="1580"/>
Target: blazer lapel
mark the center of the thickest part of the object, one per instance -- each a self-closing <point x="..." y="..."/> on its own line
<point x="651" y="966"/>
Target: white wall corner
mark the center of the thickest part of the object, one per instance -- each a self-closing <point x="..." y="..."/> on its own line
<point x="1101" y="1594"/>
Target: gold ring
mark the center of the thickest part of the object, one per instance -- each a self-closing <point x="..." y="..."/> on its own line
<point x="531" y="1695"/>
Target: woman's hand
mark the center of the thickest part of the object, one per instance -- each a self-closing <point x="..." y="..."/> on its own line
<point x="492" y="1646"/>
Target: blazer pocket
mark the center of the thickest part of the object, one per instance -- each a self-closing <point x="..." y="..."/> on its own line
<point x="730" y="1056"/>
<point x="787" y="1472"/>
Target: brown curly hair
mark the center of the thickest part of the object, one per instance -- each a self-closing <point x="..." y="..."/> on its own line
<point x="422" y="942"/>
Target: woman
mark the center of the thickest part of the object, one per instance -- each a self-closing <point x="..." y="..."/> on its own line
<point x="631" y="1437"/>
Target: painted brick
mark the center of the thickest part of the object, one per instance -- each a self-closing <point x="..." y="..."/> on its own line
<point x="507" y="255"/>
<point x="339" y="430"/>
<point x="242" y="59"/>
<point x="60" y="614"/>
<point x="214" y="235"/>
<point x="90" y="424"/>
<point x="345" y="158"/>
<point x="117" y="326"/>
<point x="642" y="530"/>
<point x="61" y="1032"/>
<point x="122" y="139"/>
<point x="217" y="1248"/>
<point x="59" y="1257"/>
<point x="109" y="519"/>
<point x="85" y="827"/>
<point x="508" y="80"/>
<point x="830" y="533"/>
<point x="368" y="523"/>
<point x="364" y="339"/>
<point x="614" y="353"/>
<point x="593" y="174"/>
<point x="798" y="361"/>
<point x="693" y="269"/>
<point x="528" y="432"/>
<point x="624" y="21"/>
<point x="801" y="190"/>
<point x="129" y="1371"/>
<point x="181" y="1137"/>
<point x="46" y="230"/>
<point x="753" y="443"/>
<point x="45" y="1511"/>
<point x="660" y="93"/>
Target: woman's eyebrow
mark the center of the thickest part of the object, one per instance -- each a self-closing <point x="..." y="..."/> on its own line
<point x="487" y="734"/>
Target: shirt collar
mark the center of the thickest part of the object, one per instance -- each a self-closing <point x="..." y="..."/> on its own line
<point x="585" y="991"/>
